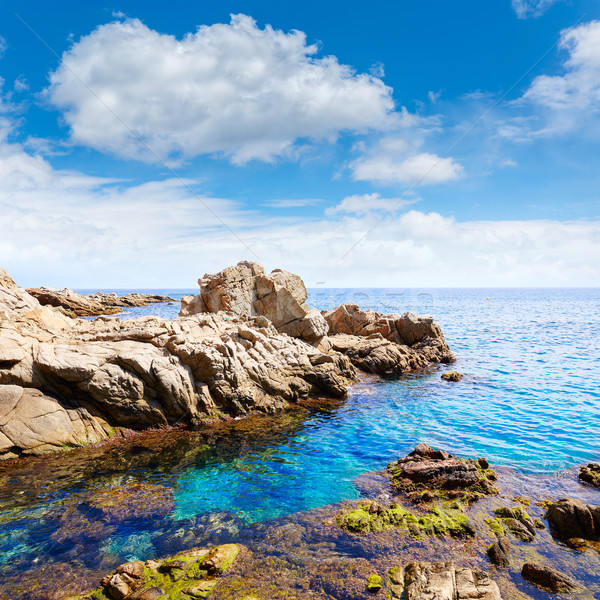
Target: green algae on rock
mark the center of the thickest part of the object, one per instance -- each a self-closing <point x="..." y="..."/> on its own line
<point x="519" y="523"/>
<point x="188" y="575"/>
<point x="370" y="517"/>
<point x="453" y="376"/>
<point x="374" y="583"/>
<point x="590" y="473"/>
<point x="426" y="474"/>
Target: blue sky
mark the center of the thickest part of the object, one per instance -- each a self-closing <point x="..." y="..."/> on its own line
<point x="378" y="144"/>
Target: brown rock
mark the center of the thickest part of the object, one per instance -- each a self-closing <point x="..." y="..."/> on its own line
<point x="572" y="519"/>
<point x="499" y="552"/>
<point x="549" y="579"/>
<point x="435" y="470"/>
<point x="453" y="376"/>
<point x="590" y="473"/>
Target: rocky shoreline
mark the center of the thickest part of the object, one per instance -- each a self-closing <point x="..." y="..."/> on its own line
<point x="247" y="343"/>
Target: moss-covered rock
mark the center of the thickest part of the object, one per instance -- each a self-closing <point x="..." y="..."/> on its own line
<point x="452" y="376"/>
<point x="519" y="523"/>
<point x="370" y="517"/>
<point x="374" y="583"/>
<point x="192" y="574"/>
<point x="590" y="473"/>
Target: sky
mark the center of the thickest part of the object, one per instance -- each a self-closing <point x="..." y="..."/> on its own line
<point x="379" y="144"/>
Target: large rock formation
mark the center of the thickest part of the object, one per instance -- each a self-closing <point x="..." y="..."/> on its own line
<point x="246" y="291"/>
<point x="93" y="376"/>
<point x="247" y="343"/>
<point x="376" y="343"/>
<point x="73" y="304"/>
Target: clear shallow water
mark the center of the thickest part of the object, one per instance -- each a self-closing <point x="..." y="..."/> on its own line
<point x="530" y="400"/>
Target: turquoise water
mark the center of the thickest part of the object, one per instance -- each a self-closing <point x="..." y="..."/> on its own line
<point x="530" y="400"/>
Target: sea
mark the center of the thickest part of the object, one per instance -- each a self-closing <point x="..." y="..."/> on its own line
<point x="529" y="401"/>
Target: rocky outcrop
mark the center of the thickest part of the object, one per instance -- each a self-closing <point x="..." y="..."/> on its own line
<point x="518" y="522"/>
<point x="194" y="573"/>
<point x="549" y="579"/>
<point x="389" y="344"/>
<point x="427" y="473"/>
<point x="247" y="291"/>
<point x="445" y="581"/>
<point x="572" y="519"/>
<point x="103" y="374"/>
<point x="73" y="304"/>
<point x="453" y="376"/>
<point x="590" y="473"/>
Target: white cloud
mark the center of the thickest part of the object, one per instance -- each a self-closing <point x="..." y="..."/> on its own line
<point x="563" y="103"/>
<point x="293" y="202"/>
<point x="395" y="160"/>
<point x="433" y="96"/>
<point x="361" y="204"/>
<point x="21" y="84"/>
<point x="236" y="89"/>
<point x="531" y="8"/>
<point x="3" y="46"/>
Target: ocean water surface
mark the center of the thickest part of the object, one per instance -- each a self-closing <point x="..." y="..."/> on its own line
<point x="530" y="400"/>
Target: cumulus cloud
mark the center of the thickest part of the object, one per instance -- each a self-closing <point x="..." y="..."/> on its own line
<point x="233" y="89"/>
<point x="531" y="8"/>
<point x="568" y="102"/>
<point x="395" y="160"/>
<point x="361" y="204"/>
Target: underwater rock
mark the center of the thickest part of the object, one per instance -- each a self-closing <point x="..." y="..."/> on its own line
<point x="193" y="573"/>
<point x="499" y="552"/>
<point x="570" y="518"/>
<point x="518" y="522"/>
<point x="426" y="473"/>
<point x="371" y="517"/>
<point x="444" y="581"/>
<point x="453" y="376"/>
<point x="590" y="473"/>
<point x="548" y="579"/>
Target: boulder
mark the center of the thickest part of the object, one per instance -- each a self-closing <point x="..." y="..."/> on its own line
<point x="426" y="473"/>
<point x="452" y="376"/>
<point x="570" y="518"/>
<point x="548" y="579"/>
<point x="444" y="581"/>
<point x="246" y="291"/>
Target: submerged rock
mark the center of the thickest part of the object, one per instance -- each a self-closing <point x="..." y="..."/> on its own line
<point x="453" y="376"/>
<point x="444" y="581"/>
<point x="499" y="552"/>
<point x="590" y="473"/>
<point x="548" y="579"/>
<point x="518" y="522"/>
<point x="427" y="473"/>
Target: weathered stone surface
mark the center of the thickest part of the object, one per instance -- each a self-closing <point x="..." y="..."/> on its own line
<point x="572" y="519"/>
<point x="93" y="376"/>
<point x="548" y="579"/>
<point x="33" y="423"/>
<point x="444" y="581"/>
<point x="395" y="582"/>
<point x="425" y="473"/>
<point x="246" y="291"/>
<point x="590" y="473"/>
<point x="73" y="304"/>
